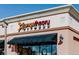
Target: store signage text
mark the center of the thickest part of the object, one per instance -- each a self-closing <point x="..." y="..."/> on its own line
<point x="44" y="24"/>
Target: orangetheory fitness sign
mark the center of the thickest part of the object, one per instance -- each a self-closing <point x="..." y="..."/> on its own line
<point x="40" y="24"/>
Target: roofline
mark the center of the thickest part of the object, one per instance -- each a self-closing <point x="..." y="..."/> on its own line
<point x="75" y="9"/>
<point x="68" y="9"/>
<point x="34" y="12"/>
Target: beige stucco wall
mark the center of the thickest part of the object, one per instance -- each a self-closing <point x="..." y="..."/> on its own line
<point x="69" y="46"/>
<point x="73" y="45"/>
<point x="61" y="49"/>
<point x="59" y="20"/>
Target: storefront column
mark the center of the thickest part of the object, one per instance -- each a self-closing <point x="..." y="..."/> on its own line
<point x="5" y="50"/>
<point x="5" y="34"/>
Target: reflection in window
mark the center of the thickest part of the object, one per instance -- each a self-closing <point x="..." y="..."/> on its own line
<point x="35" y="50"/>
<point x="44" y="50"/>
<point x="54" y="49"/>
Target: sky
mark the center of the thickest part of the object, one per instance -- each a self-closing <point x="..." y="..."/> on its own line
<point x="7" y="10"/>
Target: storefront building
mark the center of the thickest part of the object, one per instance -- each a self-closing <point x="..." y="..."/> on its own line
<point x="53" y="31"/>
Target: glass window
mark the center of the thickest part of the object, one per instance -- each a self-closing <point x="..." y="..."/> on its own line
<point x="54" y="49"/>
<point x="35" y="50"/>
<point x="45" y="50"/>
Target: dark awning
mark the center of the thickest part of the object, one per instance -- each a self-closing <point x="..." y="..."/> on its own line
<point x="1" y="43"/>
<point x="35" y="40"/>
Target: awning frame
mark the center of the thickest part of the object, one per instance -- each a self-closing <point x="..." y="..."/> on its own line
<point x="31" y="43"/>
